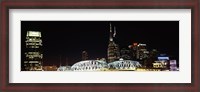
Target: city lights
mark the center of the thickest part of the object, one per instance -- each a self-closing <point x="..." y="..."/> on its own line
<point x="117" y="54"/>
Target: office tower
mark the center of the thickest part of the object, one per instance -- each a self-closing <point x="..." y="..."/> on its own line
<point x="173" y="65"/>
<point x="142" y="52"/>
<point x="139" y="51"/>
<point x="133" y="48"/>
<point x="113" y="48"/>
<point x="84" y="55"/>
<point x="33" y="54"/>
<point x="125" y="54"/>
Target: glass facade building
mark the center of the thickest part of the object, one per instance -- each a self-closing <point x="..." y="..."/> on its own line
<point x="33" y="53"/>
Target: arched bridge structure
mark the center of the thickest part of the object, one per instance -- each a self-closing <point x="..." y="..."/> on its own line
<point x="124" y="65"/>
<point x="90" y="65"/>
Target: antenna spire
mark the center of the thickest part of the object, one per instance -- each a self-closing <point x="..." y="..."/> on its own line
<point x="110" y="27"/>
<point x="111" y="35"/>
<point x="114" y="34"/>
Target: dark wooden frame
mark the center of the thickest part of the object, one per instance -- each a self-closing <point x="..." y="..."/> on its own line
<point x="98" y="4"/>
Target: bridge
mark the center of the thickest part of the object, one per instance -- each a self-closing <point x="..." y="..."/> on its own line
<point x="124" y="65"/>
<point x="90" y="65"/>
<point x="98" y="65"/>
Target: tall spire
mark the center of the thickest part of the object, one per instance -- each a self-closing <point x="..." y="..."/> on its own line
<point x="111" y="36"/>
<point x="114" y="34"/>
<point x="113" y="48"/>
<point x="110" y="28"/>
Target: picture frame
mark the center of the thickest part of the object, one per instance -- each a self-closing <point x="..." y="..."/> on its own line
<point x="88" y="4"/>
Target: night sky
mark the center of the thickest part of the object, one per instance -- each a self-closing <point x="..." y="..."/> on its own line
<point x="65" y="40"/>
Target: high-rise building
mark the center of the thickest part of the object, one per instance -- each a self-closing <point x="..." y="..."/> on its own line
<point x="142" y="52"/>
<point x="33" y="53"/>
<point x="151" y="58"/>
<point x="133" y="48"/>
<point x="173" y="65"/>
<point x="139" y="51"/>
<point x="113" y="48"/>
<point x="125" y="54"/>
<point x="84" y="55"/>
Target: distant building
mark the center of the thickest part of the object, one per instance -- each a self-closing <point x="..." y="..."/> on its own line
<point x="125" y="54"/>
<point x="139" y="51"/>
<point x="160" y="64"/>
<point x="103" y="59"/>
<point x="84" y="55"/>
<point x="142" y="52"/>
<point x="50" y="68"/>
<point x="33" y="54"/>
<point x="173" y="65"/>
<point x="163" y="57"/>
<point x="113" y="48"/>
<point x="134" y="48"/>
<point x="64" y="68"/>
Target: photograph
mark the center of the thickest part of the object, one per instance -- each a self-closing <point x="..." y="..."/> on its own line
<point x="100" y="46"/>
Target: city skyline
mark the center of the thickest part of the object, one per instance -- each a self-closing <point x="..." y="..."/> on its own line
<point x="65" y="40"/>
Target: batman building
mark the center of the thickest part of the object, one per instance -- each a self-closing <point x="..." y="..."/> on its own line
<point x="113" y="48"/>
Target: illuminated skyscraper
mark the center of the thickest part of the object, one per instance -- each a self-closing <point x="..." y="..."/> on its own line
<point x="113" y="48"/>
<point x="125" y="54"/>
<point x="33" y="54"/>
<point x="134" y="48"/>
<point x="84" y="55"/>
<point x="139" y="51"/>
<point x="142" y="52"/>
